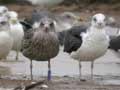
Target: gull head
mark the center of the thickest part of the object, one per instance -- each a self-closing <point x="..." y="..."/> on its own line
<point x="3" y="9"/>
<point x="13" y="17"/>
<point x="3" y="13"/>
<point x="99" y="21"/>
<point x="45" y="24"/>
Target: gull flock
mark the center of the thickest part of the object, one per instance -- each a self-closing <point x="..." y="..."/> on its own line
<point x="9" y="20"/>
<point x="41" y="37"/>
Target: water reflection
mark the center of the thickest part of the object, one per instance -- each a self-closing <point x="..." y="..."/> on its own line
<point x="106" y="69"/>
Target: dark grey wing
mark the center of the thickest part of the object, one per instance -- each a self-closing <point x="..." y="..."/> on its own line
<point x="26" y="25"/>
<point x="61" y="36"/>
<point x="114" y="43"/>
<point x="73" y="40"/>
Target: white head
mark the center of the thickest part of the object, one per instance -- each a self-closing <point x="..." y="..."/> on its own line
<point x="12" y="16"/>
<point x="3" y="9"/>
<point x="3" y="12"/>
<point x="99" y="20"/>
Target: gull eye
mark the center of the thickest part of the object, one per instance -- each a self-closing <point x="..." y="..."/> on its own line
<point x="8" y="16"/>
<point x="3" y="22"/>
<point x="68" y="16"/>
<point x="94" y="19"/>
<point x="5" y="11"/>
<point x="105" y="19"/>
<point x="0" y="14"/>
<point x="41" y="24"/>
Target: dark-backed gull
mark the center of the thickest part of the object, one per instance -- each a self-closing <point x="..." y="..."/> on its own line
<point x="90" y="45"/>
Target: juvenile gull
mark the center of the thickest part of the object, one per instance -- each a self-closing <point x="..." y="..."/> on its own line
<point x="41" y="43"/>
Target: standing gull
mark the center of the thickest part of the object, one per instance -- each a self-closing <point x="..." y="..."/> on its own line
<point x="41" y="43"/>
<point x="17" y="32"/>
<point x="92" y="44"/>
<point x="6" y="41"/>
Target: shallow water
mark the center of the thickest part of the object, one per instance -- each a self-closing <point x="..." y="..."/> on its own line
<point x="106" y="68"/>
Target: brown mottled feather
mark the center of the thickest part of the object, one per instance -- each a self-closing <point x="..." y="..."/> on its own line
<point x="40" y="46"/>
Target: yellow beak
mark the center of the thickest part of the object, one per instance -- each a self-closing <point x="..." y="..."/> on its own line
<point x="13" y="21"/>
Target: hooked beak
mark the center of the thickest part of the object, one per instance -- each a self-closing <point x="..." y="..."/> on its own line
<point x="14" y="21"/>
<point x="46" y="29"/>
<point x="100" y="25"/>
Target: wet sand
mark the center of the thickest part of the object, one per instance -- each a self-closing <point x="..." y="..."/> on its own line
<point x="64" y="72"/>
<point x="58" y="84"/>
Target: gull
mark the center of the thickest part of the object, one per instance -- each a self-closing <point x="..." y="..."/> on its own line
<point x="6" y="41"/>
<point x="91" y="44"/>
<point x="17" y="32"/>
<point x="41" y="43"/>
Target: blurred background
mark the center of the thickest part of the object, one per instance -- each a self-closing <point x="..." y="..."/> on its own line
<point x="111" y="7"/>
<point x="69" y="2"/>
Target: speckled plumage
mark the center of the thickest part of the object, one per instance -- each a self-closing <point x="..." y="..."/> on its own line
<point x="40" y="46"/>
<point x="41" y="43"/>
